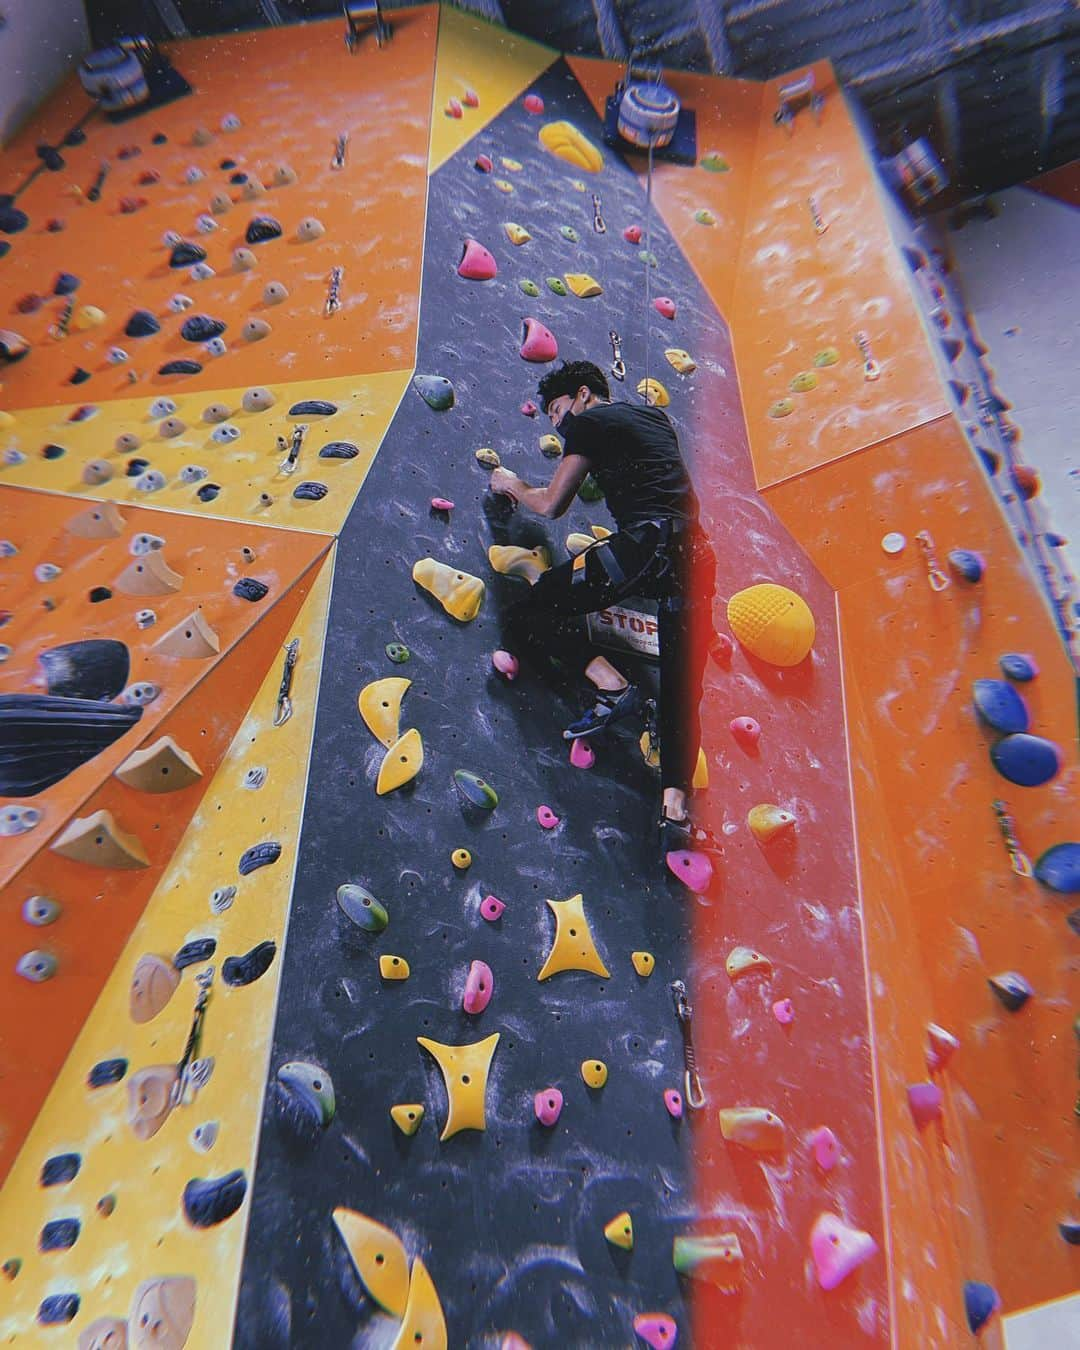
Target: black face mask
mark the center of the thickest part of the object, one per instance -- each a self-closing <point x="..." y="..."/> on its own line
<point x="564" y="425"/>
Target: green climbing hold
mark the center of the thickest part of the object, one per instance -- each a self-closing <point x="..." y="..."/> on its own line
<point x="530" y="288"/>
<point x="436" y="391"/>
<point x="590" y="490"/>
<point x="475" y="790"/>
<point x="397" y="652"/>
<point x="362" y="908"/>
<point x="714" y="162"/>
<point x="648" y="258"/>
<point x="568" y="232"/>
<point x="557" y="285"/>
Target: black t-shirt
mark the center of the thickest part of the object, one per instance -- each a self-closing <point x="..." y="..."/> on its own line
<point x="634" y="456"/>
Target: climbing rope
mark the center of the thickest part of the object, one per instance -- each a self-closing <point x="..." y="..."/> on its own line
<point x="648" y="264"/>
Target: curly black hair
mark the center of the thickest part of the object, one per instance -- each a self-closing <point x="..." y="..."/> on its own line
<point x="569" y="378"/>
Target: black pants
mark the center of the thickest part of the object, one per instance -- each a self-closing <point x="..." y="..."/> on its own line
<point x="680" y="573"/>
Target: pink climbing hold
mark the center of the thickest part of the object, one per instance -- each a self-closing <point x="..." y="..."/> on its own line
<point x="548" y="1106"/>
<point x="537" y="342"/>
<point x="694" y="870"/>
<point x="784" y="1011"/>
<point x="925" y="1101"/>
<point x="746" y="731"/>
<point x="529" y="409"/>
<point x="546" y="817"/>
<point x="582" y="755"/>
<point x="837" y="1249"/>
<point x="483" y="164"/>
<point x="825" y="1147"/>
<point x="477" y="263"/>
<point x="533" y="104"/>
<point x="664" y="305"/>
<point x="632" y="234"/>
<point x="492" y="908"/>
<point x="941" y="1047"/>
<point x="471" y="98"/>
<point x="656" y="1329"/>
<point x="479" y="986"/>
<point x="512" y="1341"/>
<point x="505" y="663"/>
<point x="673" y="1102"/>
<point x="453" y="108"/>
<point x="441" y="504"/>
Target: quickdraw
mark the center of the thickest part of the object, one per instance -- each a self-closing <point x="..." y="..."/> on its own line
<point x="333" y="292"/>
<point x="284" y="702"/>
<point x="693" y="1092"/>
<point x="618" y="365"/>
<point x="192" y="1073"/>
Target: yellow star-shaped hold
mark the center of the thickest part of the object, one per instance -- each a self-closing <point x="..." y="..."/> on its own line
<point x="573" y="948"/>
<point x="465" y="1073"/>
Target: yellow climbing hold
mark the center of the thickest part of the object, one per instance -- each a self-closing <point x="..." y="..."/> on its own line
<point x="461" y="858"/>
<point x="804" y="382"/>
<point x="423" y="1327"/>
<point x="380" y="707"/>
<point x="517" y="234"/>
<point x="577" y="543"/>
<point x="600" y="531"/>
<point x="680" y="360"/>
<point x="513" y="561"/>
<point x="401" y="763"/>
<point x="772" y="623"/>
<point x="550" y="447"/>
<point x="565" y="141"/>
<point x="783" y="407"/>
<point x="487" y="457"/>
<point x="746" y="961"/>
<point x="620" y="1231"/>
<point x="407" y="1117"/>
<point x="378" y="1258"/>
<point x="701" y="772"/>
<point x="465" y="1073"/>
<point x="583" y="285"/>
<point x="578" y="185"/>
<point x="654" y="393"/>
<point x="644" y="963"/>
<point x="393" y="967"/>
<point x="650" y="752"/>
<point x="753" y="1127"/>
<point x="503" y="185"/>
<point x="459" y="593"/>
<point x="767" y="820"/>
<point x="573" y="947"/>
<point x="594" y="1073"/>
<point x="510" y="165"/>
<point x="88" y="316"/>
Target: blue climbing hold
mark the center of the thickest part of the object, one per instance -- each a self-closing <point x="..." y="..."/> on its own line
<point x="60" y="1169"/>
<point x="58" y="1308"/>
<point x="1011" y="989"/>
<point x="106" y="1071"/>
<point x="980" y="1303"/>
<point x="142" y="324"/>
<point x="1059" y="869"/>
<point x="65" y="284"/>
<point x="1017" y="666"/>
<point x="310" y="492"/>
<point x="58" y="1235"/>
<point x="183" y="366"/>
<point x="1028" y="761"/>
<point x="965" y="564"/>
<point x="1000" y="706"/>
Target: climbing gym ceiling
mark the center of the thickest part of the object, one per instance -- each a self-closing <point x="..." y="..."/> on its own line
<point x="995" y="84"/>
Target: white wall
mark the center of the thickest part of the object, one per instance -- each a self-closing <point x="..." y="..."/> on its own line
<point x="1019" y="276"/>
<point x="39" y="44"/>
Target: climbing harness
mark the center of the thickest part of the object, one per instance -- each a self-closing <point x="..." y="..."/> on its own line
<point x="284" y="702"/>
<point x="693" y="1092"/>
<point x="1021" y="863"/>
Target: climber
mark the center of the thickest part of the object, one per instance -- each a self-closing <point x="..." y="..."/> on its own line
<point x="658" y="550"/>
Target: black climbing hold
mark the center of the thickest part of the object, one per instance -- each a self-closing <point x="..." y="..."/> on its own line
<point x="338" y="450"/>
<point x="78" y="376"/>
<point x="158" y="138"/>
<point x="50" y="157"/>
<point x="57" y="1308"/>
<point x="5" y="248"/>
<point x="76" y="136"/>
<point x="100" y="593"/>
<point x="186" y="254"/>
<point x="52" y="451"/>
<point x="1073" y="920"/>
<point x="58" y="1235"/>
<point x="239" y="178"/>
<point x="95" y="668"/>
<point x="249" y="588"/>
<point x="11" y="1268"/>
<point x="227" y="164"/>
<point x="980" y="1303"/>
<point x="194" y="952"/>
<point x="60" y="1169"/>
<point x="105" y="1072"/>
<point x="181" y="367"/>
<point x="12" y="220"/>
<point x="313" y="407"/>
<point x="261" y="229"/>
<point x="1012" y="989"/>
<point x="207" y="1203"/>
<point x="136" y="466"/>
<point x="141" y="324"/>
<point x="1070" y="1231"/>
<point x="310" y="492"/>
<point x="65" y="284"/>
<point x="208" y="492"/>
<point x="991" y="460"/>
<point x="259" y="855"/>
<point x="246" y="969"/>
<point x="44" y="738"/>
<point x="201" y="328"/>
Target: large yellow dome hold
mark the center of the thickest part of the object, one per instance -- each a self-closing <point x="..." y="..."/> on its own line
<point x="772" y="623"/>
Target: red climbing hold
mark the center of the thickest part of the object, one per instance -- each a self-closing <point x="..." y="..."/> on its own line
<point x="632" y="234"/>
<point x="483" y="164"/>
<point x="664" y="305"/>
<point x="925" y="1101"/>
<point x="477" y="263"/>
<point x="537" y="342"/>
<point x="534" y="104"/>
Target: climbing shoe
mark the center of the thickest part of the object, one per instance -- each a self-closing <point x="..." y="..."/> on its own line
<point x="677" y="835"/>
<point x="610" y="707"/>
